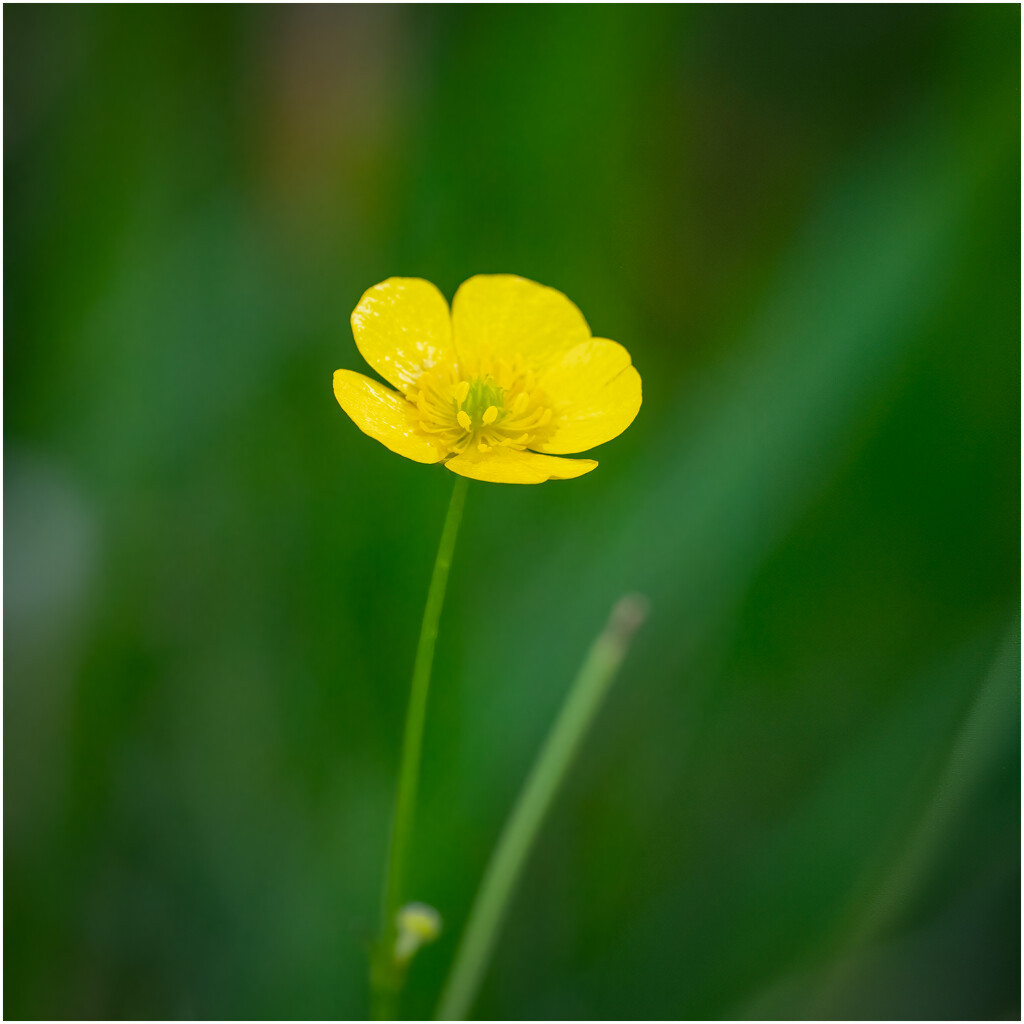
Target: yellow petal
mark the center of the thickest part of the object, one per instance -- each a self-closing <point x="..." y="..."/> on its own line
<point x="402" y="327"/>
<point x="507" y="466"/>
<point x="384" y="415"/>
<point x="595" y="392"/>
<point x="501" y="316"/>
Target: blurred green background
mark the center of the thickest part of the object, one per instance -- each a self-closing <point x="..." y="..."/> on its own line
<point x="802" y="797"/>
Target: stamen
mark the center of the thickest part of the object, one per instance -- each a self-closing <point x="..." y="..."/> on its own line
<point x="461" y="390"/>
<point x="521" y="402"/>
<point x="464" y="421"/>
<point x="490" y="414"/>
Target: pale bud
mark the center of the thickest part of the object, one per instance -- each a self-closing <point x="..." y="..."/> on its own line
<point x="416" y="925"/>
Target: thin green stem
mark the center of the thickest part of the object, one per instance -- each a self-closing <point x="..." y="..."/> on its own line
<point x="517" y="838"/>
<point x="385" y="974"/>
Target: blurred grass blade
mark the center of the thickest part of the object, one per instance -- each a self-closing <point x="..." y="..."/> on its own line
<point x="549" y="770"/>
<point x="995" y="708"/>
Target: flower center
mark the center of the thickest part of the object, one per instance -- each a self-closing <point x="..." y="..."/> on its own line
<point x="502" y="408"/>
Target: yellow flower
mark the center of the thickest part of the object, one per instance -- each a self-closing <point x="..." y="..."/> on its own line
<point x="496" y="389"/>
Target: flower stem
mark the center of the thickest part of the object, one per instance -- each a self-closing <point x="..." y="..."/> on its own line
<point x="535" y="798"/>
<point x="386" y="975"/>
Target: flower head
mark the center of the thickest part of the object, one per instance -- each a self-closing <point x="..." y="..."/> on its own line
<point x="497" y="388"/>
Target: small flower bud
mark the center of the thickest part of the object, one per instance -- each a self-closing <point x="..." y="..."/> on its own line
<point x="417" y="925"/>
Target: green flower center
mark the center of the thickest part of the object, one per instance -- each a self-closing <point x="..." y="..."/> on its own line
<point x="481" y="396"/>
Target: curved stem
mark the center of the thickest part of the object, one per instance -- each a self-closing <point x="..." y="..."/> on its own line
<point x="385" y="974"/>
<point x="535" y="798"/>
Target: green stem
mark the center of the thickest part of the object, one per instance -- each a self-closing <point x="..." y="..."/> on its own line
<point x="385" y="975"/>
<point x="520" y="831"/>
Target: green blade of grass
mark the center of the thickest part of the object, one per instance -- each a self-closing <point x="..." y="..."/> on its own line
<point x="539" y="791"/>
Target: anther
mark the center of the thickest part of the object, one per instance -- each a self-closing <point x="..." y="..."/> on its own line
<point x="464" y="421"/>
<point x="490" y="414"/>
<point x="521" y="402"/>
<point x="461" y="390"/>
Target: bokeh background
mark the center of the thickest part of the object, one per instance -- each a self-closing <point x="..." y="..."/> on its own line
<point x="802" y="797"/>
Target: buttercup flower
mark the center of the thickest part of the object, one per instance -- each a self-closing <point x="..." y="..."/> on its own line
<point x="496" y="389"/>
